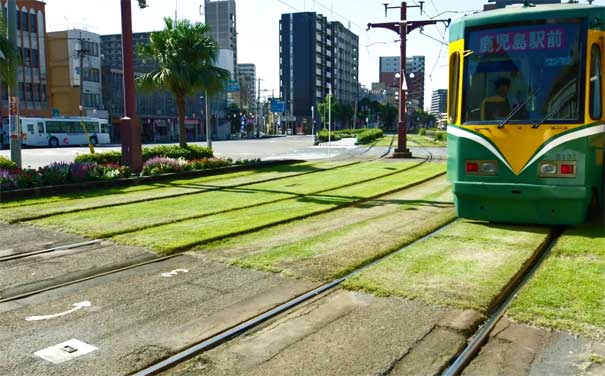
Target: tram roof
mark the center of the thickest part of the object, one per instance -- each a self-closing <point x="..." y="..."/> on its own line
<point x="520" y="14"/>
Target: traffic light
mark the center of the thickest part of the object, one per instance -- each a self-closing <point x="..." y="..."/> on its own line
<point x="142" y="4"/>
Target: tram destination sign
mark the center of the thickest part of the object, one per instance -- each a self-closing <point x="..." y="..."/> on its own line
<point x="520" y="40"/>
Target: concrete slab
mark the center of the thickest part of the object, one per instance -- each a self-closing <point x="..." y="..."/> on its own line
<point x="517" y="349"/>
<point x="24" y="238"/>
<point x="136" y="317"/>
<point x="343" y="333"/>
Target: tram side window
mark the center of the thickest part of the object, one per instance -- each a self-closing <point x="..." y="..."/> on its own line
<point x="595" y="97"/>
<point x="453" y="87"/>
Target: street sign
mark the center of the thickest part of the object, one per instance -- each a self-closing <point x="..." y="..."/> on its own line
<point x="278" y="106"/>
<point x="233" y="86"/>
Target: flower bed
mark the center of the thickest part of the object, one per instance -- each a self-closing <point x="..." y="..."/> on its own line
<point x="61" y="173"/>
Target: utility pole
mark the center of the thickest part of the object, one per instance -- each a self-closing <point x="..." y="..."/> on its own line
<point x="81" y="53"/>
<point x="13" y="99"/>
<point x="258" y="108"/>
<point x="403" y="28"/>
<point x="132" y="153"/>
<point x="208" y="125"/>
<point x="330" y="123"/>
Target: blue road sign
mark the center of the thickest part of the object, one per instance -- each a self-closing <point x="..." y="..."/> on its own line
<point x="278" y="106"/>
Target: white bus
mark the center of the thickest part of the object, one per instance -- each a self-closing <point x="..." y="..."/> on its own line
<point x="62" y="131"/>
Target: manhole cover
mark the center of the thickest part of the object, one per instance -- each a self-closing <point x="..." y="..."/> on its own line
<point x="65" y="351"/>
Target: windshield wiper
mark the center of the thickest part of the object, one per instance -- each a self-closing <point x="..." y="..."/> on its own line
<point x="518" y="108"/>
<point x="546" y="117"/>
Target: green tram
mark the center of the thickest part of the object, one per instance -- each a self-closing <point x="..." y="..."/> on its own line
<point x="526" y="128"/>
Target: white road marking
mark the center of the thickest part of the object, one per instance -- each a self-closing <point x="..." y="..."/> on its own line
<point x="174" y="272"/>
<point x="77" y="306"/>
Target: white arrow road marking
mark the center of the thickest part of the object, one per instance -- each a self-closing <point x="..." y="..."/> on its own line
<point x="174" y="272"/>
<point x="77" y="306"/>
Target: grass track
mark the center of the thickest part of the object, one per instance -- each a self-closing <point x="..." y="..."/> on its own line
<point x="330" y="245"/>
<point x="132" y="217"/>
<point x="466" y="266"/>
<point x="43" y="207"/>
<point x="186" y="234"/>
<point x="568" y="291"/>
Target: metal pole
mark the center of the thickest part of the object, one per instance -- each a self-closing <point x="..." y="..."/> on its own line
<point x="402" y="151"/>
<point x="208" y="126"/>
<point x="130" y="128"/>
<point x="313" y="122"/>
<point x="81" y="53"/>
<point x="13" y="119"/>
<point x="330" y="124"/>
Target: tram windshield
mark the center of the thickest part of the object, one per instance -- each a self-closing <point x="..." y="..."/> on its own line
<point x="524" y="74"/>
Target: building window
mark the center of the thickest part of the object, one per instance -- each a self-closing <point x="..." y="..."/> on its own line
<point x="91" y="75"/>
<point x="33" y="25"/>
<point x="596" y="104"/>
<point x="24" y="21"/>
<point x="35" y="58"/>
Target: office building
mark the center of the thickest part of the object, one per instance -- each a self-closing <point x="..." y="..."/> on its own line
<point x="247" y="80"/>
<point x="32" y="74"/>
<point x="439" y="102"/>
<point x="221" y="18"/>
<point x="415" y="68"/>
<point x="316" y="57"/>
<point x="73" y="85"/>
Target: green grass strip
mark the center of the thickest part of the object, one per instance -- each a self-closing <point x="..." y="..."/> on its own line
<point x="111" y="221"/>
<point x="413" y="140"/>
<point x="330" y="245"/>
<point x="466" y="266"/>
<point x="176" y="188"/>
<point x="568" y="291"/>
<point x="184" y="235"/>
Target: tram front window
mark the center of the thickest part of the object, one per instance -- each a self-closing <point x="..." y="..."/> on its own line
<point x="524" y="74"/>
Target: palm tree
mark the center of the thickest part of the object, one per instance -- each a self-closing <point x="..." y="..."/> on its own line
<point x="185" y="56"/>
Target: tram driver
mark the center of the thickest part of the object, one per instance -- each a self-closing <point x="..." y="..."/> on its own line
<point x="497" y="107"/>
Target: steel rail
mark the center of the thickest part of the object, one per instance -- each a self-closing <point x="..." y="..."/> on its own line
<point x="482" y="334"/>
<point x="281" y="309"/>
<point x="48" y="250"/>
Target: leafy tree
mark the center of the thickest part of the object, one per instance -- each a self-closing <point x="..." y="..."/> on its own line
<point x="341" y="113"/>
<point x="185" y="55"/>
<point x="388" y="114"/>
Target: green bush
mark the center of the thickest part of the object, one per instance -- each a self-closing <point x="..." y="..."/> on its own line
<point x="422" y="131"/>
<point x="369" y="135"/>
<point x="440" y="136"/>
<point x="189" y="153"/>
<point x="7" y="164"/>
<point x="109" y="157"/>
<point x="323" y="136"/>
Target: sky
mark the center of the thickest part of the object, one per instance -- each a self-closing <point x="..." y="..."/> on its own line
<point x="258" y="29"/>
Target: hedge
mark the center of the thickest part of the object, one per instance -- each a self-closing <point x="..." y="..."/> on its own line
<point x="7" y="164"/>
<point x="323" y="136"/>
<point x="191" y="152"/>
<point x="369" y="135"/>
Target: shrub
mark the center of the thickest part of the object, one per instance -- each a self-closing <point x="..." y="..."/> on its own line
<point x="440" y="136"/>
<point x="206" y="163"/>
<point x="27" y="178"/>
<point x="109" y="157"/>
<point x="323" y="136"/>
<point x="161" y="165"/>
<point x="189" y="153"/>
<point x="7" y="179"/>
<point x="79" y="172"/>
<point x="422" y="131"/>
<point x="7" y="164"/>
<point x="114" y="171"/>
<point x="369" y="135"/>
<point x="54" y="174"/>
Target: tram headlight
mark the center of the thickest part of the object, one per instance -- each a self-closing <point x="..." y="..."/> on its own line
<point x="548" y="168"/>
<point x="482" y="168"/>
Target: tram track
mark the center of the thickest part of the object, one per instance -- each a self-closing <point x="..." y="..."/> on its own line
<point x="279" y="310"/>
<point x="502" y="303"/>
<point x="66" y="280"/>
<point x="17" y="256"/>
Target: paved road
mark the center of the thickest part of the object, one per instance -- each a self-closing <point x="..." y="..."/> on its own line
<point x="291" y="147"/>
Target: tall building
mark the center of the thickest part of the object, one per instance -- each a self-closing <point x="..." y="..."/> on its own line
<point x="316" y="56"/>
<point x="439" y="102"/>
<point x="221" y="17"/>
<point x="415" y="68"/>
<point x="247" y="78"/>
<point x="156" y="110"/>
<point x="32" y="74"/>
<point x="64" y="51"/>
